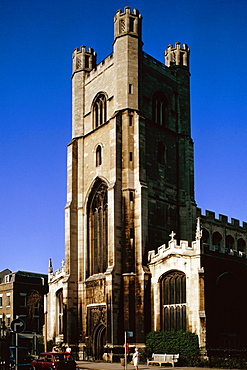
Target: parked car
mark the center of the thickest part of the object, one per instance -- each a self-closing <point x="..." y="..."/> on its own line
<point x="24" y="358"/>
<point x="54" y="361"/>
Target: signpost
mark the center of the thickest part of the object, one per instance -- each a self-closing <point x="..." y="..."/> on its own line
<point x="17" y="326"/>
<point x="127" y="334"/>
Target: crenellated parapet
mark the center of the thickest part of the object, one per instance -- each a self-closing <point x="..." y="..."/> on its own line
<point x="178" y="55"/>
<point x="222" y="219"/>
<point x="83" y="60"/>
<point x="127" y="22"/>
<point x="173" y="248"/>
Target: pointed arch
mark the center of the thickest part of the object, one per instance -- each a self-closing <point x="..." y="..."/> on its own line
<point x="99" y="340"/>
<point x="99" y="109"/>
<point x="173" y="301"/>
<point x="97" y="228"/>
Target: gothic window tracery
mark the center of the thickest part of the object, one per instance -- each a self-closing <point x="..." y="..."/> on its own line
<point x="173" y="301"/>
<point x="97" y="229"/>
<point x="159" y="109"/>
<point x="99" y="110"/>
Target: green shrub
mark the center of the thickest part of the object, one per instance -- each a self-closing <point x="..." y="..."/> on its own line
<point x="172" y="342"/>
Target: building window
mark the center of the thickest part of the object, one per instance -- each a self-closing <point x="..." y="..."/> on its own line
<point x="98" y="156"/>
<point x="217" y="240"/>
<point x="8" y="300"/>
<point x="229" y="243"/>
<point x="173" y="301"/>
<point x="8" y="321"/>
<point x="99" y="110"/>
<point x="97" y="213"/>
<point x="241" y="245"/>
<point x="23" y="299"/>
<point x="60" y="310"/>
<point x="1" y="300"/>
<point x="8" y="278"/>
<point x="159" y="109"/>
<point x="36" y="324"/>
<point x="205" y="236"/>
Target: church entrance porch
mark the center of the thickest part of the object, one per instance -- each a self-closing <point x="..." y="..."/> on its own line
<point x="96" y="329"/>
<point x="99" y="341"/>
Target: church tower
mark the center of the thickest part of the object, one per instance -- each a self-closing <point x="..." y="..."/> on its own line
<point x="130" y="183"/>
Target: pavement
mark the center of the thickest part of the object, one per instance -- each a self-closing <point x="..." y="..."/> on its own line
<point x="118" y="366"/>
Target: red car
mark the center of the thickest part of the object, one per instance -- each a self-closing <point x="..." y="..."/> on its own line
<point x="54" y="361"/>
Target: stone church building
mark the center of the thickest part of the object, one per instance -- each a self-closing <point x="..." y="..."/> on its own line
<point x="139" y="255"/>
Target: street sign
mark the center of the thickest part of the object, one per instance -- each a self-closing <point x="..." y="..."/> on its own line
<point x="129" y="334"/>
<point x="17" y="325"/>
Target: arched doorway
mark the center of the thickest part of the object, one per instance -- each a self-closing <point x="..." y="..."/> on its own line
<point x="99" y="340"/>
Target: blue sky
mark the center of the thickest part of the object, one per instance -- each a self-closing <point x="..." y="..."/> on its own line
<point x="37" y="38"/>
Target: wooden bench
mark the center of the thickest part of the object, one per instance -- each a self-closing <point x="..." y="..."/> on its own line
<point x="162" y="359"/>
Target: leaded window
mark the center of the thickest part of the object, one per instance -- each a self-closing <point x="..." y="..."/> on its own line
<point x="173" y="301"/>
<point x="97" y="229"/>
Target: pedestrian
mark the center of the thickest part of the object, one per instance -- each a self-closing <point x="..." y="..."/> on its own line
<point x="136" y="358"/>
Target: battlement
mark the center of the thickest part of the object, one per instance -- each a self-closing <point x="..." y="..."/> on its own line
<point x="83" y="59"/>
<point x="173" y="248"/>
<point x="210" y="216"/>
<point x="102" y="66"/>
<point x="177" y="55"/>
<point x="127" y="22"/>
<point x="151" y="62"/>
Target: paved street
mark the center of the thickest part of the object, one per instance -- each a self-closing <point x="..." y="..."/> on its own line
<point x="118" y="366"/>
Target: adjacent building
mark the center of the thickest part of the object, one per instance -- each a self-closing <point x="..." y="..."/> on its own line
<point x="139" y="255"/>
<point x="22" y="296"/>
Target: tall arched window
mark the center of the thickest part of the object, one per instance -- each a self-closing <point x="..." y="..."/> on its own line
<point x="99" y="110"/>
<point x="173" y="301"/>
<point x="97" y="229"/>
<point x="159" y="109"/>
<point x="60" y="310"/>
